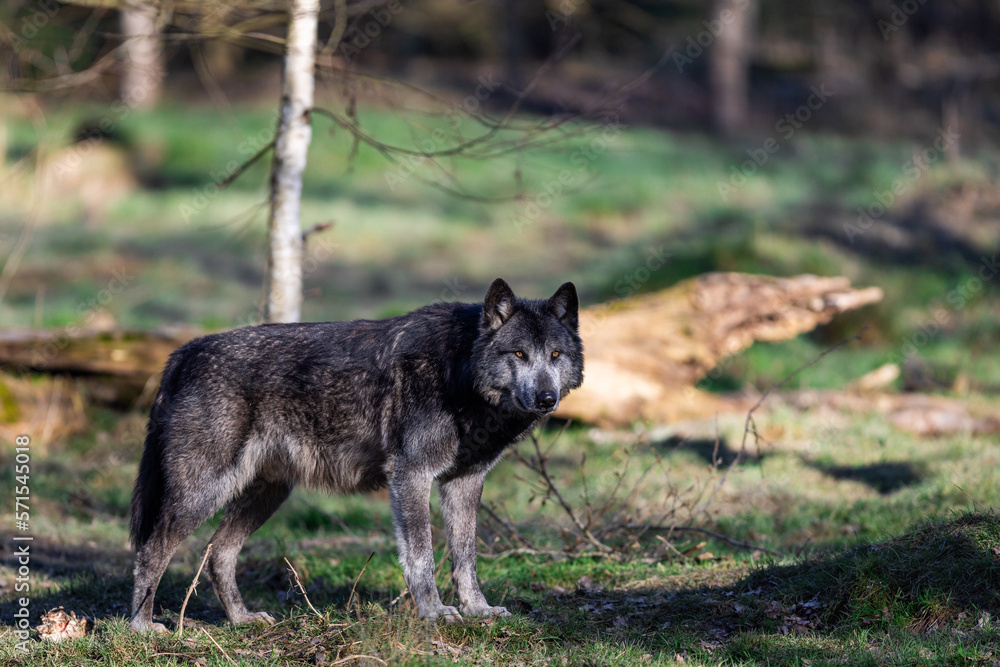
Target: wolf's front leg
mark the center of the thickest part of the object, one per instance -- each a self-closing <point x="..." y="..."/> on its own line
<point x="460" y="505"/>
<point x="410" y="494"/>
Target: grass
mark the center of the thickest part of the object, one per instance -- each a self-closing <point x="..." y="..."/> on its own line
<point x="882" y="566"/>
<point x="890" y="553"/>
<point x="926" y="597"/>
<point x="184" y="256"/>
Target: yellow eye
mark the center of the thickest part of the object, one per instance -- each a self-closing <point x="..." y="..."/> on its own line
<point x="555" y="354"/>
<point x="519" y="353"/>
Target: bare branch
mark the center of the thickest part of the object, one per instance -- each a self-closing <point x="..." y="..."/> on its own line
<point x="750" y="425"/>
<point x="302" y="589"/>
<point x="350" y="598"/>
<point x="540" y="468"/>
<point x="740" y="544"/>
<point x="191" y="589"/>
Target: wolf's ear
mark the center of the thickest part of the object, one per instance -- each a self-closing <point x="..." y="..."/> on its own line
<point x="499" y="304"/>
<point x="567" y="305"/>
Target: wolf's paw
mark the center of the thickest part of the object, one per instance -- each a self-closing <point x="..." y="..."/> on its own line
<point x="449" y="614"/>
<point x="148" y="626"/>
<point x="485" y="610"/>
<point x="254" y="617"/>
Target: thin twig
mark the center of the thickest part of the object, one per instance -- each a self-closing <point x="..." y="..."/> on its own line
<point x="399" y="597"/>
<point x="357" y="657"/>
<point x="552" y="553"/>
<point x="246" y="165"/>
<point x="669" y="545"/>
<point x="228" y="657"/>
<point x="339" y="27"/>
<point x="544" y="473"/>
<point x="463" y="147"/>
<point x="975" y="503"/>
<point x="618" y="483"/>
<point x="750" y="426"/>
<point x="315" y="229"/>
<point x="351" y="596"/>
<point x="710" y="533"/>
<point x="302" y="588"/>
<point x="506" y="525"/>
<point x="191" y="589"/>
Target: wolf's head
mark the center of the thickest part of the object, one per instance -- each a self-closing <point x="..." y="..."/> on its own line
<point x="528" y="355"/>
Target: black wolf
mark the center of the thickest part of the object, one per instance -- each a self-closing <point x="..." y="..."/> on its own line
<point x="433" y="396"/>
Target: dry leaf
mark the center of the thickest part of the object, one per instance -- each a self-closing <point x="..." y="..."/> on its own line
<point x="57" y="625"/>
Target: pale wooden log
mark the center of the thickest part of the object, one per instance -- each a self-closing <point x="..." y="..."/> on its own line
<point x="644" y="355"/>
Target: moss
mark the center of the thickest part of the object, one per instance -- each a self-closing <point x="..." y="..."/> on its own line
<point x="10" y="410"/>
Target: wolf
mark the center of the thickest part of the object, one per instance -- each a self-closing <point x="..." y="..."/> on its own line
<point x="433" y="396"/>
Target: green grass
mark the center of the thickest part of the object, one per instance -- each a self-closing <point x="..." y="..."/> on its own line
<point x="889" y="560"/>
<point x="188" y="258"/>
<point x="890" y="557"/>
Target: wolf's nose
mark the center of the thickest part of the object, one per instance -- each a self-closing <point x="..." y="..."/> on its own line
<point x="546" y="400"/>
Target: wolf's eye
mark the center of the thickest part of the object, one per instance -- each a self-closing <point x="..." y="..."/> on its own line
<point x="520" y="354"/>
<point x="556" y="354"/>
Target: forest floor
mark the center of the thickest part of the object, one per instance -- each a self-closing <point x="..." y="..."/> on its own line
<point x="866" y="543"/>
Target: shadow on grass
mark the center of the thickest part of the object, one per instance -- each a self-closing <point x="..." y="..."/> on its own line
<point x="944" y="575"/>
<point x="885" y="478"/>
<point x="709" y="450"/>
<point x="97" y="583"/>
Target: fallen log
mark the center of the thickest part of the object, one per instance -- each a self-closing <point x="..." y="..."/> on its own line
<point x="131" y="355"/>
<point x="115" y="368"/>
<point x="644" y="355"/>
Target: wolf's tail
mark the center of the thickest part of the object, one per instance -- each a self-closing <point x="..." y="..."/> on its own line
<point x="147" y="496"/>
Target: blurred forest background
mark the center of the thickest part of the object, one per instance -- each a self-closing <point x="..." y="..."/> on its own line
<point x="687" y="103"/>
<point x="625" y="145"/>
<point x="769" y="142"/>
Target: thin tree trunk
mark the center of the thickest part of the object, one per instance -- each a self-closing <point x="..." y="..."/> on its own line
<point x="284" y="258"/>
<point x="142" y="66"/>
<point x="730" y="63"/>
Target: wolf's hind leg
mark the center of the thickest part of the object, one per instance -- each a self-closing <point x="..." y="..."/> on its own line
<point x="244" y="514"/>
<point x="460" y="504"/>
<point x="152" y="559"/>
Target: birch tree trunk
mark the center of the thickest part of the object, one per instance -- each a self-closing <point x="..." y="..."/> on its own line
<point x="142" y="65"/>
<point x="729" y="63"/>
<point x="284" y="255"/>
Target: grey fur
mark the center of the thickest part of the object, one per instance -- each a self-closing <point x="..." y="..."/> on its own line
<point x="432" y="396"/>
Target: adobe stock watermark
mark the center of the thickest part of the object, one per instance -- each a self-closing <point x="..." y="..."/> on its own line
<point x="318" y="250"/>
<point x="360" y="35"/>
<point x="940" y="317"/>
<point x="652" y="260"/>
<point x="785" y="127"/>
<point x="86" y="311"/>
<point x="30" y="25"/>
<point x="22" y="551"/>
<point x="900" y="14"/>
<point x="453" y="289"/>
<point x="121" y="108"/>
<point x="628" y="284"/>
<point x="438" y="138"/>
<point x="581" y="159"/>
<point x="697" y="44"/>
<point x="912" y="170"/>
<point x="202" y="196"/>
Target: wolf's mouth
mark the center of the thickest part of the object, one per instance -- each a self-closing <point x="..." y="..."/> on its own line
<point x="536" y="411"/>
<point x="518" y="404"/>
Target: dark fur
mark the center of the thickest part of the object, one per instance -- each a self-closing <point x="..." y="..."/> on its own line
<point x="433" y="396"/>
